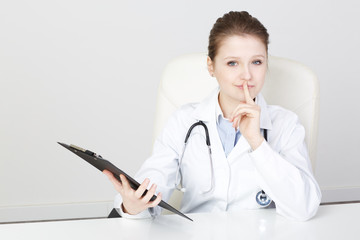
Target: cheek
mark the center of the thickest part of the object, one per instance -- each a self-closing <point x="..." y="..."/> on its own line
<point x="221" y="77"/>
<point x="259" y="73"/>
<point x="225" y="75"/>
<point x="259" y="79"/>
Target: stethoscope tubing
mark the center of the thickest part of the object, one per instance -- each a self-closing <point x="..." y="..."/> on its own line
<point x="261" y="197"/>
<point x="178" y="172"/>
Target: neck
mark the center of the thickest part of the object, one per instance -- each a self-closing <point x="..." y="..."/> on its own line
<point x="227" y="105"/>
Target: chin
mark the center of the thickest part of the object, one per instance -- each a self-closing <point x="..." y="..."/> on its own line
<point x="239" y="99"/>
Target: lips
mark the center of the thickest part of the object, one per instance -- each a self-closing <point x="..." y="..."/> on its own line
<point x="241" y="86"/>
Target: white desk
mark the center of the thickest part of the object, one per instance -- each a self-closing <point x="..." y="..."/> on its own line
<point x="331" y="222"/>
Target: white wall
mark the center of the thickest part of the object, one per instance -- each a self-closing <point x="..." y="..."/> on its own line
<point x="86" y="72"/>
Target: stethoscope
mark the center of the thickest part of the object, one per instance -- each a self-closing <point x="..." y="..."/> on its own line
<point x="261" y="197"/>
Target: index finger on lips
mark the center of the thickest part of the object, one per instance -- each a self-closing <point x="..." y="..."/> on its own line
<point x="248" y="98"/>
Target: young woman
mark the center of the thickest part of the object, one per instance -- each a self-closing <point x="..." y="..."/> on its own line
<point x="246" y="170"/>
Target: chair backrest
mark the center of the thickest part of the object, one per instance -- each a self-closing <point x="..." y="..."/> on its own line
<point x="288" y="84"/>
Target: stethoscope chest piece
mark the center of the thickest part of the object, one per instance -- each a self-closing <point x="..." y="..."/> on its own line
<point x="263" y="199"/>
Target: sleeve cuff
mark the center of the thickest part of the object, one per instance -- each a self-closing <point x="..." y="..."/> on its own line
<point x="261" y="154"/>
<point x="143" y="214"/>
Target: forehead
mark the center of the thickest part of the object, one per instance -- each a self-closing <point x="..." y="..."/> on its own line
<point x="245" y="46"/>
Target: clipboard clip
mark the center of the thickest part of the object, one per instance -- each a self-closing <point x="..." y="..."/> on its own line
<point x="88" y="152"/>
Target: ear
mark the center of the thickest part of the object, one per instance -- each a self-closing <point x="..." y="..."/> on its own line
<point x="210" y="66"/>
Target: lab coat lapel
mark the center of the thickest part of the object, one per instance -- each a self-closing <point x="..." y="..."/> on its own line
<point x="265" y="120"/>
<point x="205" y="111"/>
<point x="241" y="147"/>
<point x="219" y="157"/>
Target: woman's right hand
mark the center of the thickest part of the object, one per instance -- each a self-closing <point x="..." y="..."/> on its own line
<point x="133" y="201"/>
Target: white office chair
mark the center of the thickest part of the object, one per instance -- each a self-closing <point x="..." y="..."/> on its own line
<point x="288" y="84"/>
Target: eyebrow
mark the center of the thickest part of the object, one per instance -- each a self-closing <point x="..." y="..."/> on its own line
<point x="259" y="55"/>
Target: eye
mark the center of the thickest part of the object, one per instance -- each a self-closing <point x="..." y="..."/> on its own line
<point x="232" y="63"/>
<point x="257" y="62"/>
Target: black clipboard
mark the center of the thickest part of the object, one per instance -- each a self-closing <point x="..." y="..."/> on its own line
<point x="102" y="164"/>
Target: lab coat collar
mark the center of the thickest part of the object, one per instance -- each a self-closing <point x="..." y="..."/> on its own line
<point x="218" y="111"/>
<point x="206" y="110"/>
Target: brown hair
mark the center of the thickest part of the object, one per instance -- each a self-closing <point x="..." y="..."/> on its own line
<point x="235" y="23"/>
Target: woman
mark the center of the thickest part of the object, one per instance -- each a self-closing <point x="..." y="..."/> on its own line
<point x="237" y="116"/>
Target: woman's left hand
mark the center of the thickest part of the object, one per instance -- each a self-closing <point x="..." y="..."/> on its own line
<point x="246" y="117"/>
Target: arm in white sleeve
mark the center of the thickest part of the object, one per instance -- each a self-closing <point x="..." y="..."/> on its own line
<point x="160" y="168"/>
<point x="285" y="174"/>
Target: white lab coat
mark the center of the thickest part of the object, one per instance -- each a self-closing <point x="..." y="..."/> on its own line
<point x="280" y="166"/>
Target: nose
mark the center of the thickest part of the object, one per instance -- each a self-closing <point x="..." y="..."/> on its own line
<point x="245" y="73"/>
